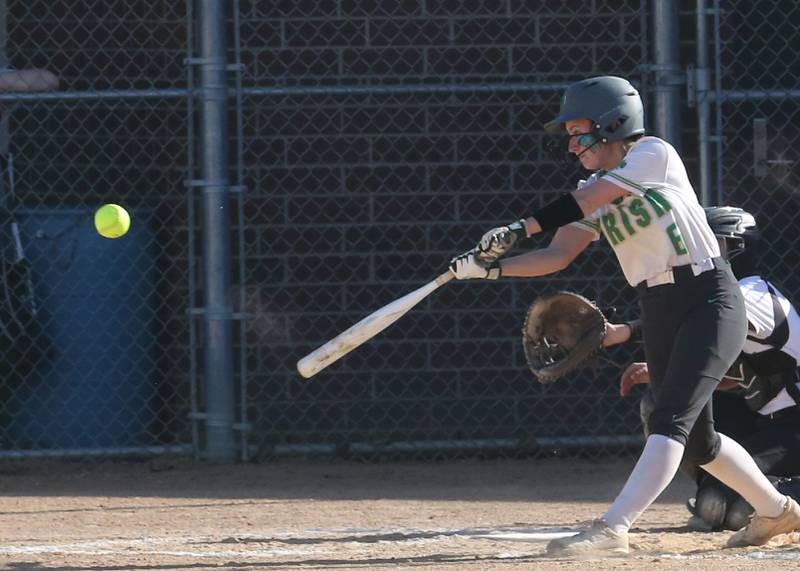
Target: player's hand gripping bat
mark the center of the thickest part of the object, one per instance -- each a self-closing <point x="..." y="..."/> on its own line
<point x="366" y="329"/>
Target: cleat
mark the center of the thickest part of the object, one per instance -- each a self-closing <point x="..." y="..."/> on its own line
<point x="597" y="540"/>
<point x="761" y="529"/>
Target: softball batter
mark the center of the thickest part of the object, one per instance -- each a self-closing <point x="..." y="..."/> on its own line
<point x="693" y="320"/>
<point x="764" y="414"/>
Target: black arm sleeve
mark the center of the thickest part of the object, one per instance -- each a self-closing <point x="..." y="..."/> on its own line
<point x="562" y="211"/>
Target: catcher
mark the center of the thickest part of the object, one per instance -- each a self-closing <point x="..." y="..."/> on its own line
<point x="693" y="319"/>
<point x="764" y="412"/>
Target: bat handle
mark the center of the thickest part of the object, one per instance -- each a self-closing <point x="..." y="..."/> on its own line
<point x="444" y="278"/>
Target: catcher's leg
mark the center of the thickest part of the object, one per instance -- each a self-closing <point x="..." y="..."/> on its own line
<point x="719" y="506"/>
<point x="717" y="503"/>
<point x="714" y="502"/>
<point x="772" y="444"/>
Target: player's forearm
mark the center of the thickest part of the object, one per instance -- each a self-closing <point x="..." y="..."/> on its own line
<point x="536" y="263"/>
<point x="616" y="333"/>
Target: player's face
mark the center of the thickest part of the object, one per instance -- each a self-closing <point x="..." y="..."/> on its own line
<point x="592" y="153"/>
<point x="583" y="144"/>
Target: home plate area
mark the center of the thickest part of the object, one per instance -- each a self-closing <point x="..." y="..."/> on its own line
<point x="447" y="515"/>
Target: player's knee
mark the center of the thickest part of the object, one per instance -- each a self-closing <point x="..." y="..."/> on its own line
<point x="702" y="449"/>
<point x="663" y="422"/>
<point x="700" y="454"/>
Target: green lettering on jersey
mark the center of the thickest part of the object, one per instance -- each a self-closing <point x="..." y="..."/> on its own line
<point x="677" y="241"/>
<point x="626" y="221"/>
<point x="643" y="217"/>
<point x="658" y="202"/>
<point x="612" y="232"/>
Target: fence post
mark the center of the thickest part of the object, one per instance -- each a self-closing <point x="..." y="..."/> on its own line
<point x="213" y="96"/>
<point x="702" y="88"/>
<point x="668" y="74"/>
<point x="3" y="63"/>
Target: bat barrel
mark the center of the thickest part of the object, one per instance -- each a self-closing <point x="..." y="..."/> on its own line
<point x="365" y="329"/>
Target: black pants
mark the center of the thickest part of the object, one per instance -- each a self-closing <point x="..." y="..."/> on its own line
<point x="693" y="331"/>
<point x="774" y="442"/>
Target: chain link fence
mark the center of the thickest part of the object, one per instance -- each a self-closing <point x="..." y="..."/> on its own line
<point x="758" y="123"/>
<point x="369" y="142"/>
<point x="402" y="132"/>
<point x="94" y="331"/>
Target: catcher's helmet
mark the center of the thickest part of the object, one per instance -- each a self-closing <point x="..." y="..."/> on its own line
<point x="737" y="226"/>
<point x="612" y="103"/>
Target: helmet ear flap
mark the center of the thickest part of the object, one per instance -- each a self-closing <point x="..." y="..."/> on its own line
<point x="598" y="133"/>
<point x="617" y="124"/>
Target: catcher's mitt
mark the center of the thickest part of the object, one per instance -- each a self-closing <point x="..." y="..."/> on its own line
<point x="561" y="332"/>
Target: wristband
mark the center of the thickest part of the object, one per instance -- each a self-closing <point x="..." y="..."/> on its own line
<point x="635" y="326"/>
<point x="518" y="229"/>
<point x="493" y="270"/>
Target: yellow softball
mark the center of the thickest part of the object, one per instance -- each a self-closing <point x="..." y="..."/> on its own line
<point x="112" y="221"/>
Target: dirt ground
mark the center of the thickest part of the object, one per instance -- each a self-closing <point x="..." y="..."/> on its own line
<point x="323" y="514"/>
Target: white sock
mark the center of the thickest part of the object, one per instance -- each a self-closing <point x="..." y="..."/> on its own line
<point x="653" y="472"/>
<point x="735" y="468"/>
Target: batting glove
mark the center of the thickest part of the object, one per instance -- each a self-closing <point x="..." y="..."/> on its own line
<point x="468" y="267"/>
<point x="498" y="241"/>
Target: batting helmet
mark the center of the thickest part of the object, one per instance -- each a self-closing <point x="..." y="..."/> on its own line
<point x="612" y="103"/>
<point x="737" y="226"/>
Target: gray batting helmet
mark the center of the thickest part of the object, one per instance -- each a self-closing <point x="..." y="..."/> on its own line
<point x="612" y="103"/>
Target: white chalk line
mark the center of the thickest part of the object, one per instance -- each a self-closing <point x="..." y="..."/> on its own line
<point x="145" y="545"/>
<point x="395" y="536"/>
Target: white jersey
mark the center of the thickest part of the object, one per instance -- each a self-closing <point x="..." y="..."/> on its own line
<point x="761" y="305"/>
<point x="659" y="224"/>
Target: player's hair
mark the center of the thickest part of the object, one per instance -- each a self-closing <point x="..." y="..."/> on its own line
<point x="630" y="141"/>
